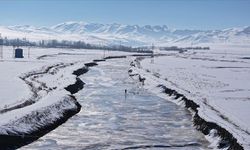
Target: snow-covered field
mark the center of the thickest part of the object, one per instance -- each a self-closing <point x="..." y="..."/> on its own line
<point x="13" y="89"/>
<point x="217" y="80"/>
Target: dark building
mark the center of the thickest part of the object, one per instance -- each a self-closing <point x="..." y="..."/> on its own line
<point x="18" y="53"/>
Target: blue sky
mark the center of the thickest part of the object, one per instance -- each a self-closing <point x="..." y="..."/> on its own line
<point x="180" y="14"/>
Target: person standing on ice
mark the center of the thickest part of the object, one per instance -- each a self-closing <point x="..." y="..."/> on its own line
<point x="125" y="92"/>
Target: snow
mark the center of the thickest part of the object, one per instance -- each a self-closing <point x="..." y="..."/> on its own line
<point x="217" y="80"/>
<point x="12" y="121"/>
<point x="12" y="88"/>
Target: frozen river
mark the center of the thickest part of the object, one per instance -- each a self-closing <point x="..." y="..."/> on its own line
<point x="109" y="120"/>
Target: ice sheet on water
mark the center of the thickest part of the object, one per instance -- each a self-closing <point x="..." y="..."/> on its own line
<point x="109" y="121"/>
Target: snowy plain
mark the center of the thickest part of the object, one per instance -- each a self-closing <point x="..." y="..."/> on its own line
<point x="217" y="80"/>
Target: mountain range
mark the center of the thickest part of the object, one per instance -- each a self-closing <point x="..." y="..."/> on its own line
<point x="134" y="35"/>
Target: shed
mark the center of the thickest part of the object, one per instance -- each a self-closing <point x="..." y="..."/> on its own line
<point x="18" y="53"/>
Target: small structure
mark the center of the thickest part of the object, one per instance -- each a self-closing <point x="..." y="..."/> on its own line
<point x="18" y="53"/>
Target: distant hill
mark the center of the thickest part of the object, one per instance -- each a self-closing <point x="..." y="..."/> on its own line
<point x="133" y="35"/>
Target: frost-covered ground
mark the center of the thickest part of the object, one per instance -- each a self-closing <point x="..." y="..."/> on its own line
<point x="217" y="80"/>
<point x="36" y="86"/>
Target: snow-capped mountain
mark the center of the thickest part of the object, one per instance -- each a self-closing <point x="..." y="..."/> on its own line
<point x="128" y="34"/>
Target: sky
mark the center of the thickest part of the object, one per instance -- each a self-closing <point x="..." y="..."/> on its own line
<point x="179" y="14"/>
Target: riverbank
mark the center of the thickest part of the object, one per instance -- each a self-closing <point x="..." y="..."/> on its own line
<point x="41" y="113"/>
<point x="194" y="80"/>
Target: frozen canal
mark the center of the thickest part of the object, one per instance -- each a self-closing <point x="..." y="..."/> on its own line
<point x="108" y="120"/>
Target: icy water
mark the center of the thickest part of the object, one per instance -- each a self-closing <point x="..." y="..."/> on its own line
<point x="109" y="120"/>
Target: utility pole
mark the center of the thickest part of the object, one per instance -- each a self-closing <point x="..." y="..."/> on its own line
<point x="29" y="52"/>
<point x="152" y="59"/>
<point x="27" y="46"/>
<point x="120" y="46"/>
<point x="13" y="52"/>
<point x="1" y="46"/>
<point x="104" y="51"/>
